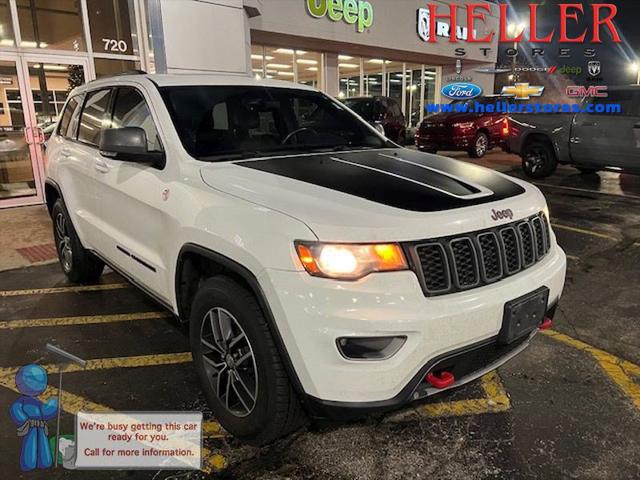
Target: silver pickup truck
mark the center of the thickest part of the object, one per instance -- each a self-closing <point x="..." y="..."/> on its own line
<point x="588" y="141"/>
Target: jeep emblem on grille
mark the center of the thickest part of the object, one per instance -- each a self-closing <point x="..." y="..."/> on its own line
<point x="501" y="214"/>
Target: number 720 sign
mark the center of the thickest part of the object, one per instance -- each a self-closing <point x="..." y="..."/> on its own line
<point x="113" y="45"/>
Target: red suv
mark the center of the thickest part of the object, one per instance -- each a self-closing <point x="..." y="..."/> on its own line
<point x="461" y="130"/>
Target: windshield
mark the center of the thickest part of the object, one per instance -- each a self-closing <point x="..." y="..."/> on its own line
<point x="219" y="123"/>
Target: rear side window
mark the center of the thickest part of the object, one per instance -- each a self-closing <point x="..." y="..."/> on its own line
<point x="94" y="116"/>
<point x="67" y="114"/>
<point x="131" y="110"/>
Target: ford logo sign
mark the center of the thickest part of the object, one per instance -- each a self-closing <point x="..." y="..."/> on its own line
<point x="461" y="91"/>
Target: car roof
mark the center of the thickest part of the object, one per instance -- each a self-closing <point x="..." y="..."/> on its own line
<point x="167" y="80"/>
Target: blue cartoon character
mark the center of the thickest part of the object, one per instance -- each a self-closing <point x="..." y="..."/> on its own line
<point x="30" y="416"/>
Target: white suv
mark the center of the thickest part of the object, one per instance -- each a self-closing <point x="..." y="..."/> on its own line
<point x="324" y="270"/>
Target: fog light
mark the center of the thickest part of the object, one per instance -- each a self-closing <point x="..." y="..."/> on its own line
<point x="369" y="348"/>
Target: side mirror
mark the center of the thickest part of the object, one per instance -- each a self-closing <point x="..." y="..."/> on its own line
<point x="128" y="144"/>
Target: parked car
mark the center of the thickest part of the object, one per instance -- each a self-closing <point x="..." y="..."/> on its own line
<point x="382" y="112"/>
<point x="475" y="133"/>
<point x="323" y="269"/>
<point x="588" y="141"/>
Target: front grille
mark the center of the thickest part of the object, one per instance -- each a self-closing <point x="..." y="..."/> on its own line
<point x="454" y="264"/>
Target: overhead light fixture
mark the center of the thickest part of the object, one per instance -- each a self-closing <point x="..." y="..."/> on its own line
<point x="28" y="44"/>
<point x="306" y="61"/>
<point x="6" y="42"/>
<point x="345" y="57"/>
<point x="348" y="65"/>
<point x="59" y="68"/>
<point x="278" y="65"/>
<point x="288" y="51"/>
<point x="312" y="69"/>
<point x="285" y="74"/>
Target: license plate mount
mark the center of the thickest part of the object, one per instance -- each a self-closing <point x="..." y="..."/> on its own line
<point x="522" y="315"/>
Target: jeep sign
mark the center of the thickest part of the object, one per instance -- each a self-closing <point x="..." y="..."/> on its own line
<point x="353" y="12"/>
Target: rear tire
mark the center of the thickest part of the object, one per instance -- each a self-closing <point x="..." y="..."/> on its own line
<point x="538" y="159"/>
<point x="480" y="146"/>
<point x="78" y="263"/>
<point x="240" y="369"/>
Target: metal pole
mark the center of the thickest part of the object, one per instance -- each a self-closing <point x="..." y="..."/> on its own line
<point x="58" y="420"/>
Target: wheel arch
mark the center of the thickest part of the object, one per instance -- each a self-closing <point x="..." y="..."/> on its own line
<point x="51" y="194"/>
<point x="538" y="137"/>
<point x="196" y="263"/>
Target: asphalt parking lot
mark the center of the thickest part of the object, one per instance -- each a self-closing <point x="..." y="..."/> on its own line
<point x="568" y="407"/>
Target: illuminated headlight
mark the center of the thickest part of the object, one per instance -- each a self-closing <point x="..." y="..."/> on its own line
<point x="350" y="261"/>
<point x="464" y="125"/>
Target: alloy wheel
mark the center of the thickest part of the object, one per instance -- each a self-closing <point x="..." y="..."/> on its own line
<point x="64" y="242"/>
<point x="535" y="161"/>
<point x="481" y="145"/>
<point x="229" y="362"/>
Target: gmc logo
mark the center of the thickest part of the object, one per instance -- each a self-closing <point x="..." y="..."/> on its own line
<point x="593" y="91"/>
<point x="501" y="214"/>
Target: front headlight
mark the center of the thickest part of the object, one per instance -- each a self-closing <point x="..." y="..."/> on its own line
<point x="350" y="261"/>
<point x="464" y="125"/>
<point x="546" y="213"/>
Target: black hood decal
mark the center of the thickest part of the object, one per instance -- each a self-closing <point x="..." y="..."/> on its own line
<point x="398" y="178"/>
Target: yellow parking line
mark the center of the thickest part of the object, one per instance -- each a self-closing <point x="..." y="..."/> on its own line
<point x="619" y="370"/>
<point x="584" y="232"/>
<point x="83" y="320"/>
<point x="496" y="400"/>
<point x="73" y="289"/>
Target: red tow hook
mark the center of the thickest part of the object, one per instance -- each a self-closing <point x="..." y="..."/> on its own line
<point x="443" y="380"/>
<point x="546" y="324"/>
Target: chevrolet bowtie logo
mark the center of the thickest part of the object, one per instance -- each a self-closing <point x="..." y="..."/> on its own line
<point x="522" y="91"/>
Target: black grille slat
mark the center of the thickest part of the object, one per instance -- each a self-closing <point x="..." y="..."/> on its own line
<point x="465" y="263"/>
<point x="538" y="234"/>
<point x="453" y="264"/>
<point x="511" y="249"/>
<point x="525" y="233"/>
<point x="433" y="260"/>
<point x="547" y="232"/>
<point x="491" y="261"/>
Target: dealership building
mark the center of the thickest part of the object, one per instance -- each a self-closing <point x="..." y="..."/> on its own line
<point x="345" y="48"/>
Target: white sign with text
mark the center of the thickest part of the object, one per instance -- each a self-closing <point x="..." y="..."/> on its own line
<point x="139" y="440"/>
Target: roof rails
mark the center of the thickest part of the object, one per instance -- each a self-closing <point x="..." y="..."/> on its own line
<point x="122" y="74"/>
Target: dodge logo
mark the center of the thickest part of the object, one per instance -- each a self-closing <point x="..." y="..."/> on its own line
<point x="501" y="214"/>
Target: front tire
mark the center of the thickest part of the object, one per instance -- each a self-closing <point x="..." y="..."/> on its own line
<point x="239" y="366"/>
<point x="538" y="159"/>
<point x="78" y="263"/>
<point x="480" y="146"/>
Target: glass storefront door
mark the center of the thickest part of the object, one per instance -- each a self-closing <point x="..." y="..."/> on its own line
<point x="33" y="89"/>
<point x="19" y="173"/>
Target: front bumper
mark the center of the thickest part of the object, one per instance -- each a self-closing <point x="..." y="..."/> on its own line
<point x="311" y="313"/>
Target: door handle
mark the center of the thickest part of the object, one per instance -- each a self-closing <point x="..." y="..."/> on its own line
<point x="102" y="166"/>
